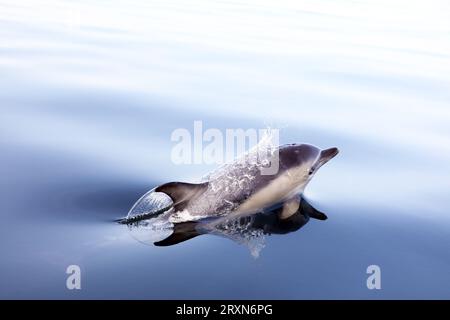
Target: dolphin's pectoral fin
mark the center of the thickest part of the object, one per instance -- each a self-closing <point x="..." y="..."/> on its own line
<point x="290" y="207"/>
<point x="181" y="232"/>
<point x="182" y="192"/>
<point x="312" y="212"/>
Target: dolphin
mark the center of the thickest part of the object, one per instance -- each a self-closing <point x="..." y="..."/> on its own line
<point x="242" y="188"/>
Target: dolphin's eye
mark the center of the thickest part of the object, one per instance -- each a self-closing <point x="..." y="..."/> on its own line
<point x="311" y="171"/>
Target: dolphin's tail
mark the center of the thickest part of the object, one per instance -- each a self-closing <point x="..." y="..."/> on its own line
<point x="181" y="232"/>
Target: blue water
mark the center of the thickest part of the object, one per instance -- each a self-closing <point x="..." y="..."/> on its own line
<point x="92" y="90"/>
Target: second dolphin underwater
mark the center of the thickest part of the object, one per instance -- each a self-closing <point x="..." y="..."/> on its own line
<point x="243" y="189"/>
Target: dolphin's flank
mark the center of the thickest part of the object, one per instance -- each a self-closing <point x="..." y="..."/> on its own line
<point x="241" y="188"/>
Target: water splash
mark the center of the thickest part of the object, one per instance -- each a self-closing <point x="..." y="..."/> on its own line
<point x="242" y="232"/>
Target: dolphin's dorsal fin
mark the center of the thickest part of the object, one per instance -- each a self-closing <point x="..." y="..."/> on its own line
<point x="182" y="192"/>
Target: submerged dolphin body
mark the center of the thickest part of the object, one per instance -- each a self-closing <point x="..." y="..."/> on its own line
<point x="241" y="188"/>
<point x="243" y="229"/>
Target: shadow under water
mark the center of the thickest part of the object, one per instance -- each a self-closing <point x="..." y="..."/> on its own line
<point x="248" y="230"/>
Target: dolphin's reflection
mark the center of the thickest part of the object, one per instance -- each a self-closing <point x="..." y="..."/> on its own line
<point x="249" y="230"/>
<point x="266" y="222"/>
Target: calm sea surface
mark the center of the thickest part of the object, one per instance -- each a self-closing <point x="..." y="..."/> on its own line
<point x="90" y="92"/>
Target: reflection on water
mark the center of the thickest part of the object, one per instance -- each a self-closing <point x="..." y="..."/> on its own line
<point x="92" y="90"/>
<point x="250" y="230"/>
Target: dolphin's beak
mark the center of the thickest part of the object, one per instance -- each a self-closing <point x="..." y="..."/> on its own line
<point x="328" y="154"/>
